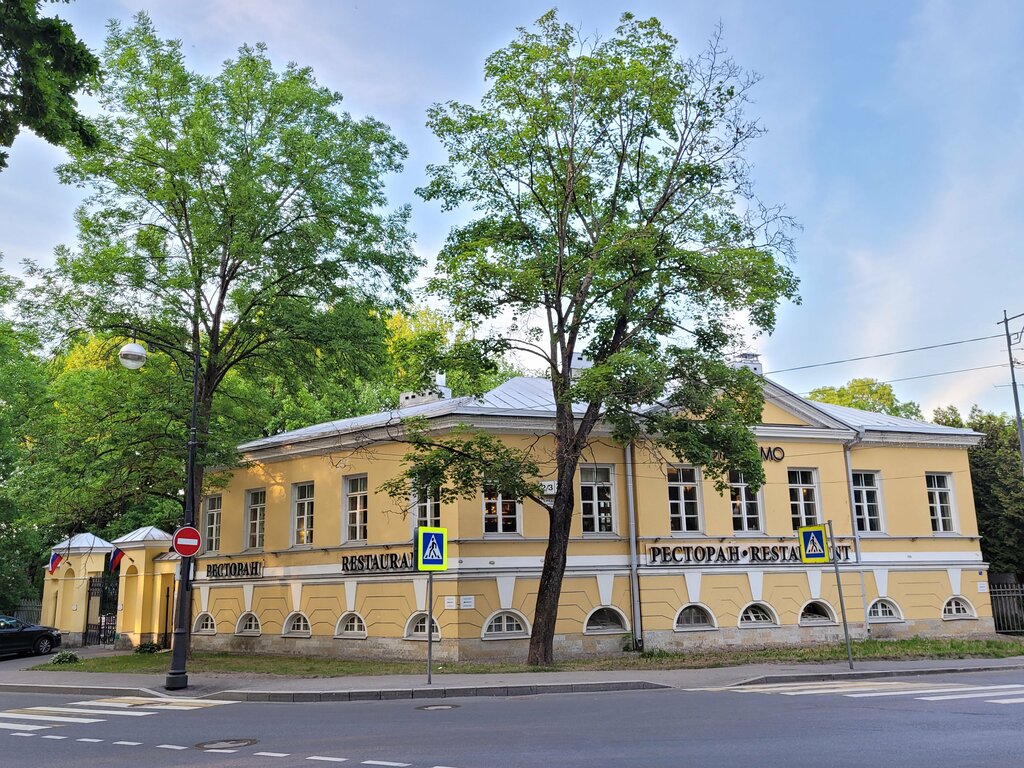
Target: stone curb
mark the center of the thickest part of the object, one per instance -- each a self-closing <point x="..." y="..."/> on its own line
<point x="451" y="692"/>
<point x="85" y="690"/>
<point x="813" y="677"/>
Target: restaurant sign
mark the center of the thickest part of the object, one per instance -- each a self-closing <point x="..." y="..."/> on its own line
<point x="733" y="554"/>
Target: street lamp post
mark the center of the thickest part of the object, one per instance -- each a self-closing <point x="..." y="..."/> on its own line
<point x="133" y="357"/>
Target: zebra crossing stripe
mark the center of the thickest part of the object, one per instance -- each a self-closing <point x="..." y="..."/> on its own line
<point x="23" y="727"/>
<point x="84" y="711"/>
<point x="930" y="691"/>
<point x="1005" y="701"/>
<point x="975" y="695"/>
<point x="19" y="715"/>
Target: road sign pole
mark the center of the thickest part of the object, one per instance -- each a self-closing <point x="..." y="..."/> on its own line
<point x="430" y="624"/>
<point x="839" y="586"/>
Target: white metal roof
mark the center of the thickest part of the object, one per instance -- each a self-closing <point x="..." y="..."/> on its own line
<point x="883" y="422"/>
<point x="84" y="541"/>
<point x="146" y="533"/>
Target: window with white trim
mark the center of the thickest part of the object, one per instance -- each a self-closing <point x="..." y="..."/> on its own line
<point x="757" y="615"/>
<point x="746" y="505"/>
<point x="505" y="625"/>
<point x="211" y="513"/>
<point x="816" y="612"/>
<point x="957" y="608"/>
<point x="357" y="505"/>
<point x="418" y="628"/>
<point x="501" y="514"/>
<point x="867" y="507"/>
<point x="596" y="493"/>
<point x="694" y="617"/>
<point x="248" y="624"/>
<point x="205" y="625"/>
<point x="351" y="625"/>
<point x="683" y="500"/>
<point x="803" y="497"/>
<point x="297" y="626"/>
<point x="940" y="501"/>
<point x="255" y="517"/>
<point x="302" y="512"/>
<point x="605" y="620"/>
<point x="884" y="610"/>
<point x="428" y="508"/>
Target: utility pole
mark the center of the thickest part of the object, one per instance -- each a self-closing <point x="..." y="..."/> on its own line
<point x="1013" y="383"/>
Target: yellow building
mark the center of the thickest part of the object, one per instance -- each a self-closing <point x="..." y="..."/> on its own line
<point x="303" y="553"/>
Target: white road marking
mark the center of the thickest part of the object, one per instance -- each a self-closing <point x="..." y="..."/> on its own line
<point x="224" y="751"/>
<point x="382" y="762"/>
<point x="1005" y="701"/>
<point x="91" y="741"/>
<point x="51" y="736"/>
<point x="328" y="759"/>
<point x="22" y="734"/>
<point x="51" y="718"/>
<point x="272" y="754"/>
<point x="83" y="711"/>
<point x="23" y="727"/>
<point x="129" y="743"/>
<point x="976" y="695"/>
<point x="169" y="746"/>
<point x="929" y="691"/>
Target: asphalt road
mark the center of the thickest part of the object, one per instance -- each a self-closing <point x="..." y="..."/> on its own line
<point x="883" y="722"/>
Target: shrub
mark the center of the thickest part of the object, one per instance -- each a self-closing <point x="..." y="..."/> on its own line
<point x="65" y="657"/>
<point x="147" y="648"/>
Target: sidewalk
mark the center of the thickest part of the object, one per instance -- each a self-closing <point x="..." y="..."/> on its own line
<point x="15" y="677"/>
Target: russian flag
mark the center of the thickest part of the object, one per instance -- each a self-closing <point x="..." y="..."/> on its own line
<point x="115" y="559"/>
<point x="55" y="560"/>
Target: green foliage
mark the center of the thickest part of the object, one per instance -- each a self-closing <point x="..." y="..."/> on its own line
<point x="868" y="395"/>
<point x="146" y="648"/>
<point x="65" y="657"/>
<point x="998" y="484"/>
<point x="42" y="65"/>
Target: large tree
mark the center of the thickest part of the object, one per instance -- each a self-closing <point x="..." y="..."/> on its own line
<point x="42" y="66"/>
<point x="240" y="217"/>
<point x="613" y="218"/>
<point x="868" y="395"/>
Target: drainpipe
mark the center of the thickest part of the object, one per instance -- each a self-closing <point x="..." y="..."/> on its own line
<point x="853" y="523"/>
<point x="634" y="576"/>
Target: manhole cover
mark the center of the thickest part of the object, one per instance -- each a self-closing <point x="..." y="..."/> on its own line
<point x="226" y="744"/>
<point x="432" y="707"/>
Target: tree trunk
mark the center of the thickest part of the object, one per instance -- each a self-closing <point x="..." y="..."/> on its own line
<point x="549" y="591"/>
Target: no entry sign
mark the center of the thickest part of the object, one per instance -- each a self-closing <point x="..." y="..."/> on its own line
<point x="186" y="541"/>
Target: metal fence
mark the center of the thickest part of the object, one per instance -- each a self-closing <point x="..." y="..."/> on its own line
<point x="1008" y="608"/>
<point x="29" y="611"/>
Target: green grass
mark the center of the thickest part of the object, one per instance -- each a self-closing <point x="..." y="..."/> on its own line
<point x="308" y="666"/>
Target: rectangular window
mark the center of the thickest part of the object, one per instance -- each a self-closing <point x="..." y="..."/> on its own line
<point x="683" y="500"/>
<point x="746" y="506"/>
<point x="803" y="497"/>
<point x="255" y="518"/>
<point x="356" y="506"/>
<point x="501" y="514"/>
<point x="303" y="495"/>
<point x="940" y="501"/>
<point x="428" y="508"/>
<point x="596" y="499"/>
<point x="213" y="507"/>
<point x="866" y="507"/>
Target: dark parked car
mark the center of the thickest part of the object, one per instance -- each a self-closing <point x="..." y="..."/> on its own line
<point x="18" y="637"/>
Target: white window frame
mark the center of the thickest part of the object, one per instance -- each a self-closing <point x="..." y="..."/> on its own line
<point x="596" y="502"/>
<point x="410" y="626"/>
<point x="860" y="508"/>
<point x="524" y="632"/>
<point x="499" y="517"/>
<point x="696" y="627"/>
<point x="212" y="522"/>
<point x="260" y="529"/>
<point x="197" y="625"/>
<point x="308" y="507"/>
<point x="801" y="502"/>
<point x="746" y="497"/>
<point x="426" y="508"/>
<point x="829" y="621"/>
<point x="600" y="631"/>
<point x="959" y="599"/>
<point x="355" y="519"/>
<point x="681" y="502"/>
<point x="240" y="625"/>
<point x="935" y="506"/>
<point x="758" y="624"/>
<point x="885" y="619"/>
<point x="340" y="631"/>
<point x="288" y="630"/>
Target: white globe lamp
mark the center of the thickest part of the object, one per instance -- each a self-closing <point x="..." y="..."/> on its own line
<point x="132" y="356"/>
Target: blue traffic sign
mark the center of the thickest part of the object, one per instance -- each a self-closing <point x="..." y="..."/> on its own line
<point x="432" y="549"/>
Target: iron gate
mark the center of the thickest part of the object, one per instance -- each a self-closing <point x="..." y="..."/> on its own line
<point x="1008" y="607"/>
<point x="101" y="625"/>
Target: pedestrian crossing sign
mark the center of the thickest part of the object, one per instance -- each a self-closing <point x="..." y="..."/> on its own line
<point x="813" y="544"/>
<point x="431" y="549"/>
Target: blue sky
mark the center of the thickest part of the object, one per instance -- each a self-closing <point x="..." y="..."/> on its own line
<point x="895" y="138"/>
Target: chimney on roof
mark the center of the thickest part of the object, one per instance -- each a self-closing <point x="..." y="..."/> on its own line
<point x="439" y="392"/>
<point x="579" y="364"/>
<point x="750" y="360"/>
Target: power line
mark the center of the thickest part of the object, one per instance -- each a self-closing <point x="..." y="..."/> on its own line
<point x="940" y="373"/>
<point x="886" y="354"/>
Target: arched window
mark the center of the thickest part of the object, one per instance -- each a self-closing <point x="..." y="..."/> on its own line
<point x="297" y="625"/>
<point x="816" y="612"/>
<point x="351" y="625"/>
<point x="248" y="624"/>
<point x="757" y="615"/>
<point x="605" y="620"/>
<point x="504" y="625"/>
<point x="205" y="625"/>
<point x="957" y="608"/>
<point x="884" y="610"/>
<point x="694" y="617"/>
<point x="416" y="629"/>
